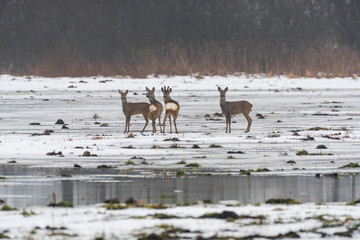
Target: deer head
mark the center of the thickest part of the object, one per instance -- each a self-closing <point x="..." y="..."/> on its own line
<point x="150" y="93"/>
<point x="123" y="95"/>
<point x="166" y="92"/>
<point x="223" y="92"/>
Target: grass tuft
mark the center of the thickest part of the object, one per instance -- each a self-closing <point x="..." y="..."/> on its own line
<point x="28" y="214"/>
<point x="8" y="208"/>
<point x="351" y="165"/>
<point x="181" y="162"/>
<point x="262" y="170"/>
<point x="3" y="236"/>
<point x="302" y="153"/>
<point x="288" y="201"/>
<point x="115" y="206"/>
<point x="353" y="202"/>
<point x="215" y="146"/>
<point x="318" y="129"/>
<point x="194" y="165"/>
<point x="180" y="173"/>
<point x="129" y="162"/>
<point x="63" y="204"/>
<point x="174" y="145"/>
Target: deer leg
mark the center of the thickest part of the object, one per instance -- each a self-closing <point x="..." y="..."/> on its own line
<point x="170" y="123"/>
<point x="154" y="125"/>
<point x="226" y="124"/>
<point x="174" y="117"/>
<point x="161" y="131"/>
<point x="249" y="120"/>
<point x="229" y="123"/>
<point x="129" y="124"/>
<point x="163" y="125"/>
<point x="146" y="123"/>
<point x="126" y="123"/>
<point x="166" y="115"/>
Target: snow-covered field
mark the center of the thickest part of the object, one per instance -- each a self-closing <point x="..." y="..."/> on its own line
<point x="265" y="221"/>
<point x="291" y="116"/>
<point x="288" y="105"/>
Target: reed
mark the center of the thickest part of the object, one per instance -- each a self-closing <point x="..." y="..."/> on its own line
<point x="208" y="59"/>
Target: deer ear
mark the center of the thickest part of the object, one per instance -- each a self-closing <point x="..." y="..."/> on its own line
<point x="219" y="89"/>
<point x="162" y="89"/>
<point x="226" y="89"/>
<point x="170" y="90"/>
<point x="153" y="89"/>
<point x="120" y="92"/>
<point x="146" y="88"/>
<point x="127" y="91"/>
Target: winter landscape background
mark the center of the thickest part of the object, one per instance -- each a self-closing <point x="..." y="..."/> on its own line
<point x="67" y="170"/>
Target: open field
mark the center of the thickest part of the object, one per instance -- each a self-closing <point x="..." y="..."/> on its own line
<point x="301" y="127"/>
<point x="320" y="111"/>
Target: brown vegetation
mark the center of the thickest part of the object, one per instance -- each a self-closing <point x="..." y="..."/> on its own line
<point x="210" y="61"/>
<point x="137" y="38"/>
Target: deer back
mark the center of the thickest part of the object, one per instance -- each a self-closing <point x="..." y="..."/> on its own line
<point x="136" y="108"/>
<point x="236" y="107"/>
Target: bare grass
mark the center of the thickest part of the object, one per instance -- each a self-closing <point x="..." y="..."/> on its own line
<point x="208" y="60"/>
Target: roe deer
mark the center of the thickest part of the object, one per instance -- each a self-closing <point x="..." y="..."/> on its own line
<point x="231" y="108"/>
<point x="156" y="108"/>
<point x="172" y="107"/>
<point x="130" y="109"/>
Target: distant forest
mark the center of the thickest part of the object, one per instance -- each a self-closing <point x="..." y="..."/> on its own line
<point x="179" y="37"/>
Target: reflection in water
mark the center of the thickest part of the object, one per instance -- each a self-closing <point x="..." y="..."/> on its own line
<point x="31" y="189"/>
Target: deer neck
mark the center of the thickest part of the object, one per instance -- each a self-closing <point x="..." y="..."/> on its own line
<point x="166" y="100"/>
<point x="222" y="101"/>
<point x="124" y="103"/>
<point x="152" y="100"/>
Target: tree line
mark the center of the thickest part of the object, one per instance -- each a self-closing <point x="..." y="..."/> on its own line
<point x="141" y="37"/>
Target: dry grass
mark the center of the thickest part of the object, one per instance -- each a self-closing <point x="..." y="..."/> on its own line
<point x="209" y="59"/>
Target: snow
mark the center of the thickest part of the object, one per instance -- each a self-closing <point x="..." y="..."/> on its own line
<point x="89" y="222"/>
<point x="288" y="105"/>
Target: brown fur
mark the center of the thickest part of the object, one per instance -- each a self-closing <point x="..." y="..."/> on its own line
<point x="159" y="108"/>
<point x="170" y="112"/>
<point x="130" y="109"/>
<point x="232" y="108"/>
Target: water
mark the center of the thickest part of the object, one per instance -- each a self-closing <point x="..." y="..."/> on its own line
<point x="35" y="187"/>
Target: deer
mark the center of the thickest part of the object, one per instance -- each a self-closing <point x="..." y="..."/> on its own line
<point x="172" y="108"/>
<point x="130" y="109"/>
<point x="232" y="108"/>
<point x="156" y="108"/>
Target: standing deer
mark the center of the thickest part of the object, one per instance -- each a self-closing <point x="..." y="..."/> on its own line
<point x="172" y="107"/>
<point x="231" y="108"/>
<point x="156" y="108"/>
<point x="130" y="109"/>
